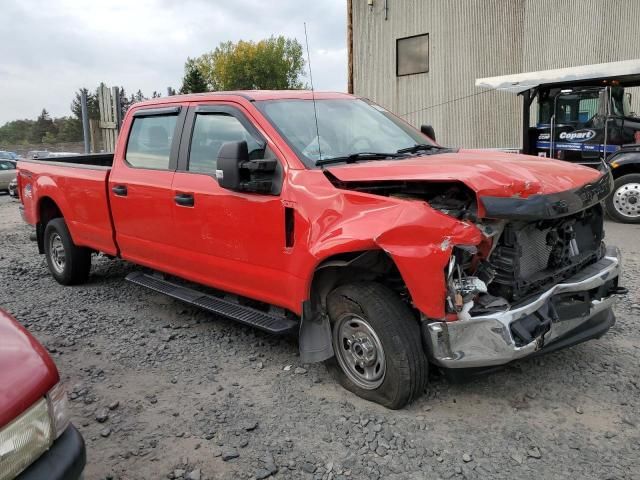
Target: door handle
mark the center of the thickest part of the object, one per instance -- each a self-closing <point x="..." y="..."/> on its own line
<point x="184" y="199"/>
<point x="120" y="190"/>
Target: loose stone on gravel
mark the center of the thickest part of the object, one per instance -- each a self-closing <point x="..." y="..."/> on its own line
<point x="308" y="467"/>
<point x="534" y="452"/>
<point x="229" y="455"/>
<point x="194" y="475"/>
<point x="102" y="415"/>
<point x="250" y="425"/>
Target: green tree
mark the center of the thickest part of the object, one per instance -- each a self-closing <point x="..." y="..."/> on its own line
<point x="43" y="126"/>
<point x="92" y="104"/>
<point x="69" y="129"/>
<point x="17" y="131"/>
<point x="193" y="81"/>
<point x="275" y="63"/>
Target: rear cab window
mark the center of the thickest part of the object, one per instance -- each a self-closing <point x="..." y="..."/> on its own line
<point x="150" y="141"/>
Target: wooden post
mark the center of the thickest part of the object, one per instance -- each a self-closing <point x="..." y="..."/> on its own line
<point x="85" y="121"/>
<point x="350" y="46"/>
<point x="117" y="108"/>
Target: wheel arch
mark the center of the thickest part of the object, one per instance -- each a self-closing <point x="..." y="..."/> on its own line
<point x="47" y="210"/>
<point x="624" y="162"/>
<point x="333" y="271"/>
<point x="626" y="169"/>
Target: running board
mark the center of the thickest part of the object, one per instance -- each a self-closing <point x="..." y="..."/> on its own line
<point x="243" y="314"/>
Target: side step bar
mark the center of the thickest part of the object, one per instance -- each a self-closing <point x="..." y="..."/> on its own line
<point x="243" y="314"/>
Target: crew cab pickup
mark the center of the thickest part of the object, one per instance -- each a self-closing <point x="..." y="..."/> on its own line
<point x="328" y="216"/>
<point x="37" y="442"/>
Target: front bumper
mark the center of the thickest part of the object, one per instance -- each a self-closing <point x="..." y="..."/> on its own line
<point x="489" y="340"/>
<point x="65" y="460"/>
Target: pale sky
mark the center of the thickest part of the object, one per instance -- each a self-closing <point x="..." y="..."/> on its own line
<point x="49" y="49"/>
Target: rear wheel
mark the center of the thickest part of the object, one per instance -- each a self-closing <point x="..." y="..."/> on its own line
<point x="68" y="263"/>
<point x="623" y="204"/>
<point x="376" y="340"/>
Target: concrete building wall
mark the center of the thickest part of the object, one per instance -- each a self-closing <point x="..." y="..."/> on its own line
<point x="470" y="39"/>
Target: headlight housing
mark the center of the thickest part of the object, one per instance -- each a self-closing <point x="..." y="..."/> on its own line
<point x="57" y="399"/>
<point x="25" y="439"/>
<point x="32" y="433"/>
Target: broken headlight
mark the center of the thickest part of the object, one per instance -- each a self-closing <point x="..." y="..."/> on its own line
<point x="462" y="288"/>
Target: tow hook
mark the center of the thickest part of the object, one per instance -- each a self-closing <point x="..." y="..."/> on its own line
<point x="619" y="291"/>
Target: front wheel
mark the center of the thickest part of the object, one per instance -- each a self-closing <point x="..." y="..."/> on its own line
<point x="68" y="263"/>
<point x="623" y="204"/>
<point x="377" y="346"/>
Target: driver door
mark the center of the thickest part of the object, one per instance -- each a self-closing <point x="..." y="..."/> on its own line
<point x="234" y="241"/>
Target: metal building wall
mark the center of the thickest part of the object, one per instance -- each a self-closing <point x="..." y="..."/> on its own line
<point x="480" y="38"/>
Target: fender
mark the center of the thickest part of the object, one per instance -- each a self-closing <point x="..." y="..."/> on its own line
<point x="624" y="161"/>
<point x="418" y="239"/>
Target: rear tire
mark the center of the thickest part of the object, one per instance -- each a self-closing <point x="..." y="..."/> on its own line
<point x="377" y="345"/>
<point x="68" y="263"/>
<point x="623" y="205"/>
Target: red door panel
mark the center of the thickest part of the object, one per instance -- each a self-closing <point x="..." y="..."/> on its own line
<point x="142" y="218"/>
<point x="231" y="240"/>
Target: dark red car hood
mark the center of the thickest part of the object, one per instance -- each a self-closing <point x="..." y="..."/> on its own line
<point x="26" y="369"/>
<point x="495" y="174"/>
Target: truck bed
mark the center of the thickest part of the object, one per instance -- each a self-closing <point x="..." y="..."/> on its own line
<point x="76" y="186"/>
<point x="92" y="159"/>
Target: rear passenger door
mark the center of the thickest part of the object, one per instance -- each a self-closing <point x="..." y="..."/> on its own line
<point x="140" y="186"/>
<point x="230" y="240"/>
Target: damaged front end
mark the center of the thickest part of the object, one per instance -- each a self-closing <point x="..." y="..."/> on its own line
<point x="535" y="285"/>
<point x="503" y="277"/>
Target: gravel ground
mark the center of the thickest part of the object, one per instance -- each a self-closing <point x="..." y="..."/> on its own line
<point x="162" y="390"/>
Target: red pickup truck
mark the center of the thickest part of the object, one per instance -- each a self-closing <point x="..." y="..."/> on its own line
<point x="328" y="216"/>
<point x="37" y="442"/>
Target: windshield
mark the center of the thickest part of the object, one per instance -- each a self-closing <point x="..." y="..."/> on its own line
<point x="345" y="127"/>
<point x="579" y="107"/>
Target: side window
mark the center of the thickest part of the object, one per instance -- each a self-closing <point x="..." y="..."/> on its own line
<point x="210" y="132"/>
<point x="6" y="166"/>
<point x="149" y="144"/>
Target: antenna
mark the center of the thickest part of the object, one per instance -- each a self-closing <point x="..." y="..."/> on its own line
<point x="313" y="92"/>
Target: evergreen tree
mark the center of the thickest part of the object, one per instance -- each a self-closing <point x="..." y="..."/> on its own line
<point x="193" y="81"/>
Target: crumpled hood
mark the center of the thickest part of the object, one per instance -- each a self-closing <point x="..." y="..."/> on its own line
<point x="496" y="174"/>
<point x="26" y="369"/>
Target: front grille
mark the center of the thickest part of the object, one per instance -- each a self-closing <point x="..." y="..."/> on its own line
<point x="531" y="256"/>
<point x="535" y="249"/>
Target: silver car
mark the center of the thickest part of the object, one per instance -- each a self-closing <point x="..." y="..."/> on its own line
<point x="7" y="173"/>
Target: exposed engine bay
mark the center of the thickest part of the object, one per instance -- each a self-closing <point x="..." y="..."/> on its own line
<point x="452" y="198"/>
<point x="523" y="259"/>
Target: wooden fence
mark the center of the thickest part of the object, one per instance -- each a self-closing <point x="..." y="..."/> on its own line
<point x="110" y="118"/>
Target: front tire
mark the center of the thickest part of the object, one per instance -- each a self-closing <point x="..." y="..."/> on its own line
<point x="68" y="263"/>
<point x="623" y="205"/>
<point x="376" y="340"/>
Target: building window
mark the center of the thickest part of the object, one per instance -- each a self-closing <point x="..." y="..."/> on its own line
<point x="412" y="55"/>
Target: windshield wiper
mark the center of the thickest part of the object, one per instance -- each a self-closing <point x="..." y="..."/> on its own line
<point x="354" y="157"/>
<point x="420" y="147"/>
